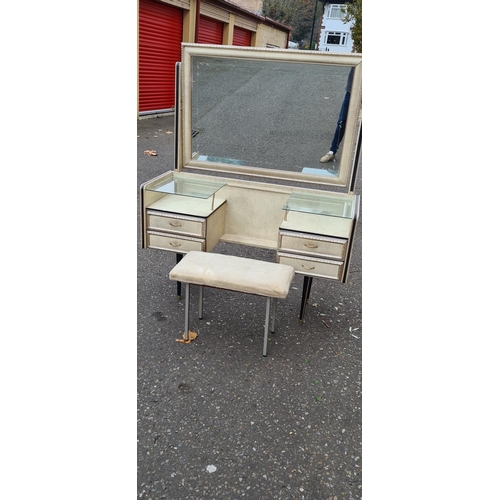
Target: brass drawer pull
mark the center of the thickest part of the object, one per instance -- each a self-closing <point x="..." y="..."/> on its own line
<point x="308" y="268"/>
<point x="310" y="245"/>
<point x="175" y="225"/>
<point x="174" y="244"/>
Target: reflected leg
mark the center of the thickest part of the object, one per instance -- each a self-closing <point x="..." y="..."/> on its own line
<point x="340" y="129"/>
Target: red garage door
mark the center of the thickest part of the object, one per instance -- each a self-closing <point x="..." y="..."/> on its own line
<point x="242" y="37"/>
<point x="210" y="31"/>
<point x="160" y="37"/>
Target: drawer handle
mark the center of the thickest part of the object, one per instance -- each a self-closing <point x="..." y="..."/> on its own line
<point x="175" y="225"/>
<point x="174" y="244"/>
<point x="310" y="245"/>
<point x="308" y="268"/>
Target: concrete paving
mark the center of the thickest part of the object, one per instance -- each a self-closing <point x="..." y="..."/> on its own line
<point x="218" y="420"/>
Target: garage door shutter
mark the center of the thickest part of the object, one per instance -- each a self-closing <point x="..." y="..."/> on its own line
<point x="242" y="37"/>
<point x="160" y="37"/>
<point x="210" y="31"/>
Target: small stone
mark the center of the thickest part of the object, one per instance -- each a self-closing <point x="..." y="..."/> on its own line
<point x="211" y="468"/>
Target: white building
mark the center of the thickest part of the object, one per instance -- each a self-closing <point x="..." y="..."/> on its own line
<point x="335" y="35"/>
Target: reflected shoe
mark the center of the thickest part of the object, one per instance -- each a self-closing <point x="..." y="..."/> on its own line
<point x="328" y="157"/>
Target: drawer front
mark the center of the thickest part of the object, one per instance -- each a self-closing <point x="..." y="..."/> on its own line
<point x="321" y="246"/>
<point x="175" y="223"/>
<point x="174" y="243"/>
<point x="313" y="267"/>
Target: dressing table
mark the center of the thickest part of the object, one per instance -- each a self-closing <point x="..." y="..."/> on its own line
<point x="251" y="125"/>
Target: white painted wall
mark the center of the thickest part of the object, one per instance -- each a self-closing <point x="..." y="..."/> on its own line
<point x="334" y="25"/>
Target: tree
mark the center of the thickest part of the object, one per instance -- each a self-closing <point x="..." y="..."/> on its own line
<point x="353" y="13"/>
<point x="303" y="24"/>
<point x="295" y="13"/>
<point x="299" y="15"/>
<point x="283" y="11"/>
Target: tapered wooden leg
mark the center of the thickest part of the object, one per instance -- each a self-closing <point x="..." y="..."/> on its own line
<point x="306" y="290"/>
<point x="178" y="258"/>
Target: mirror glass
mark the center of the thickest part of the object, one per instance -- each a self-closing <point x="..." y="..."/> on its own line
<point x="273" y="117"/>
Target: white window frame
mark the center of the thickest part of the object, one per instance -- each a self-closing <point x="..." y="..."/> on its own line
<point x="334" y="11"/>
<point x="344" y="37"/>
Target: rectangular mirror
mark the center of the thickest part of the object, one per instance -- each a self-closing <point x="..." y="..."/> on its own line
<point x="270" y="112"/>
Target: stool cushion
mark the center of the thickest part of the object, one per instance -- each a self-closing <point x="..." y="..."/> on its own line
<point x="234" y="273"/>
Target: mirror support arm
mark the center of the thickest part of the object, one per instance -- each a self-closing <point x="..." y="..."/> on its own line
<point x="354" y="174"/>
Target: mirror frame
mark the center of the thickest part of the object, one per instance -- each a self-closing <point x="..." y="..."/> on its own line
<point x="352" y="136"/>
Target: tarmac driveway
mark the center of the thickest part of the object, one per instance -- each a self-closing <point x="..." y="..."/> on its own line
<point x="218" y="420"/>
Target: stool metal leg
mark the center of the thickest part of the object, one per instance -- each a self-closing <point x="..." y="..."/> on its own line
<point x="200" y="314"/>
<point x="186" y="327"/>
<point x="266" y="330"/>
<point x="275" y="302"/>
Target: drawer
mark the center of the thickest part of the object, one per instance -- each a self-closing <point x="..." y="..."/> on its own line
<point x="176" y="223"/>
<point x="174" y="243"/>
<point x="333" y="269"/>
<point x="313" y="245"/>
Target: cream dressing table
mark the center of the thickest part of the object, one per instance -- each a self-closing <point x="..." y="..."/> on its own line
<point x="236" y="109"/>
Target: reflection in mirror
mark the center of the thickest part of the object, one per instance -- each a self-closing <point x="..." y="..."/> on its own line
<point x="267" y="114"/>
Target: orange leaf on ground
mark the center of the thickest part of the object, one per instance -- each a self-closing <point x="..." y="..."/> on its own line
<point x="192" y="336"/>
